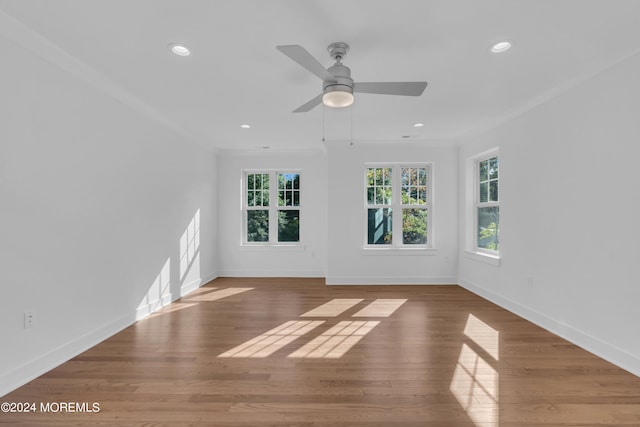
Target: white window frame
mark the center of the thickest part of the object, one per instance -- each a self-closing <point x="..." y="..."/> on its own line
<point x="488" y="204"/>
<point x="273" y="207"/>
<point x="397" y="206"/>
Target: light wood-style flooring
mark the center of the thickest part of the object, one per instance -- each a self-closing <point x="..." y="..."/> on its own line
<point x="295" y="352"/>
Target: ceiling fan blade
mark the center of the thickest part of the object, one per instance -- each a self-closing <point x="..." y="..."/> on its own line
<point x="309" y="105"/>
<point x="391" y="88"/>
<point x="304" y="58"/>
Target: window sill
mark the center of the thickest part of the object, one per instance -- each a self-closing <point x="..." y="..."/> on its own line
<point x="399" y="251"/>
<point x="273" y="247"/>
<point x="482" y="257"/>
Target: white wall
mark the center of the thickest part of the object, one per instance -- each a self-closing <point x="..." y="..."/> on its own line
<point x="347" y="261"/>
<point x="95" y="197"/>
<point x="570" y="210"/>
<point x="307" y="260"/>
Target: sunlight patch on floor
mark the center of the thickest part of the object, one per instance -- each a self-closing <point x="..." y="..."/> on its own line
<point x="273" y="340"/>
<point x="475" y="380"/>
<point x="483" y="335"/>
<point x="333" y="308"/>
<point x="381" y="308"/>
<point x="176" y="306"/>
<point x="335" y="342"/>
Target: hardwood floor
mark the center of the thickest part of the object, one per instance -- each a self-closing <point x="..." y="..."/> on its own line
<point x="443" y="357"/>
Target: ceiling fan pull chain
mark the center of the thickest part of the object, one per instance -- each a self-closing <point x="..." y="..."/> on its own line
<point x="323" y="123"/>
<point x="351" y="126"/>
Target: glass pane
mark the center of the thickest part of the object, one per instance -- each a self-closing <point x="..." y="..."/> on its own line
<point x="371" y="195"/>
<point x="493" y="168"/>
<point x="387" y="176"/>
<point x="483" y="170"/>
<point x="488" y="228"/>
<point x="379" y="176"/>
<point x="296" y="181"/>
<point x="296" y="198"/>
<point x="422" y="176"/>
<point x="265" y="196"/>
<point x="405" y="177"/>
<point x="484" y="192"/>
<point x="281" y="198"/>
<point x="265" y="181"/>
<point x="387" y="195"/>
<point x="371" y="174"/>
<point x="422" y="195"/>
<point x="258" y="226"/>
<point x="288" y="226"/>
<point x="493" y="191"/>
<point x="251" y="198"/>
<point x="379" y="196"/>
<point x="379" y="223"/>
<point x="250" y="181"/>
<point x="414" y="226"/>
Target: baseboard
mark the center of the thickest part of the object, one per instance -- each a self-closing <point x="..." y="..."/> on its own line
<point x="377" y="280"/>
<point x="46" y="362"/>
<point x="594" y="345"/>
<point x="272" y="273"/>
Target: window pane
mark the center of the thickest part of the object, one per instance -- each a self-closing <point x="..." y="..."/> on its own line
<point x="493" y="168"/>
<point x="484" y="192"/>
<point x="289" y="226"/>
<point x="414" y="186"/>
<point x="414" y="226"/>
<point x="379" y="223"/>
<point x="493" y="191"/>
<point x="250" y="181"/>
<point x="483" y="170"/>
<point x="422" y="195"/>
<point x="371" y="195"/>
<point x="488" y="228"/>
<point x="296" y="198"/>
<point x="379" y="186"/>
<point x="251" y="198"/>
<point x="258" y="226"/>
<point x="422" y="176"/>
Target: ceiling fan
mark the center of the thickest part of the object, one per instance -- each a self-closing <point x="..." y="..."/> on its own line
<point x="337" y="85"/>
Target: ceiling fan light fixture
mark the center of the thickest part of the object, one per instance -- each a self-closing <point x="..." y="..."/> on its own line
<point x="338" y="96"/>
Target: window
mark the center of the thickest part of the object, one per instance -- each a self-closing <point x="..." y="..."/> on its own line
<point x="272" y="207"/>
<point x="405" y="190"/>
<point x="487" y="205"/>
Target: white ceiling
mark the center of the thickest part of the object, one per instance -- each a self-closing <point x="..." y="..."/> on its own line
<point x="235" y="74"/>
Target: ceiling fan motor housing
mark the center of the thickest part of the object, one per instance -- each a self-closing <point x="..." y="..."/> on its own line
<point x="342" y="79"/>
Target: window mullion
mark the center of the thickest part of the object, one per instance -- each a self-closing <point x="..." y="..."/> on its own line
<point x="396" y="205"/>
<point x="273" y="207"/>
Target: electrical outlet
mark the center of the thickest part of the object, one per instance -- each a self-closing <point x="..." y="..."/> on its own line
<point x="29" y="319"/>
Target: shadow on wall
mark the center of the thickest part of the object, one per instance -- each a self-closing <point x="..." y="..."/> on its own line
<point x="160" y="292"/>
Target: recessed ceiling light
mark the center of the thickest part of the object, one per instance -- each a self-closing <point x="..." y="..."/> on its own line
<point x="179" y="49"/>
<point x="245" y="126"/>
<point x="501" y="47"/>
<point x="418" y="125"/>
